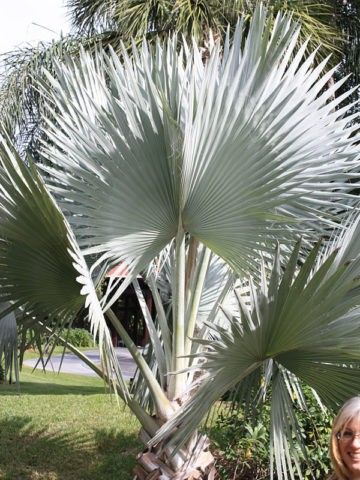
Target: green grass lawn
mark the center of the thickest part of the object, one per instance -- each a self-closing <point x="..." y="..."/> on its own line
<point x="64" y="427"/>
<point x="58" y="350"/>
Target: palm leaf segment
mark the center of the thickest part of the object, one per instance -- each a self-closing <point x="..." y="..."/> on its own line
<point x="41" y="264"/>
<point x="301" y="323"/>
<point x="238" y="151"/>
<point x="22" y="108"/>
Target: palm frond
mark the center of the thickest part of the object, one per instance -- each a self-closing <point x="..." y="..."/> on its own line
<point x="43" y="270"/>
<point x="308" y="325"/>
<point x="162" y="135"/>
<point x="93" y="16"/>
<point x="140" y="18"/>
<point x="317" y="24"/>
<point x="22" y="109"/>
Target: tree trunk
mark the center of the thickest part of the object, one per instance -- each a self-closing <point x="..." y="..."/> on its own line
<point x="157" y="464"/>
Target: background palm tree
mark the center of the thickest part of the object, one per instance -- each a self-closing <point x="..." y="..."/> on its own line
<point x="139" y="18"/>
<point x="164" y="158"/>
<point x="347" y="18"/>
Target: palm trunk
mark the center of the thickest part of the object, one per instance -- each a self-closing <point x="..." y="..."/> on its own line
<point x="157" y="464"/>
<point x="193" y="461"/>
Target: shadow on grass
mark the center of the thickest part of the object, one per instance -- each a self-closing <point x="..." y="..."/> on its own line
<point x="30" y="452"/>
<point x="41" y="388"/>
<point x="118" y="452"/>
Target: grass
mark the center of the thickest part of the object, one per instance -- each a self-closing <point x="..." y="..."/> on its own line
<point x="58" y="350"/>
<point x="64" y="427"/>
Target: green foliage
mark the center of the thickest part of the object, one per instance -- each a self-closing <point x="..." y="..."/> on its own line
<point x="315" y="427"/>
<point x="241" y="444"/>
<point x="241" y="441"/>
<point x="79" y="337"/>
<point x="150" y="18"/>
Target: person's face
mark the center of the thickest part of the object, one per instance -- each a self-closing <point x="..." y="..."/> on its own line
<point x="349" y="447"/>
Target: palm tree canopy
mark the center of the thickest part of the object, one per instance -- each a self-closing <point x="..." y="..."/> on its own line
<point x="135" y="19"/>
<point x="162" y="135"/>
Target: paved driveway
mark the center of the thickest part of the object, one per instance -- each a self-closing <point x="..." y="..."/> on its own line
<point x="72" y="364"/>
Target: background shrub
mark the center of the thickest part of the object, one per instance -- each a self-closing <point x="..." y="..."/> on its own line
<point x="79" y="337"/>
<point x="241" y="442"/>
<point x="241" y="445"/>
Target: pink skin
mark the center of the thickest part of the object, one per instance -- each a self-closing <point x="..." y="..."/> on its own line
<point x="350" y="449"/>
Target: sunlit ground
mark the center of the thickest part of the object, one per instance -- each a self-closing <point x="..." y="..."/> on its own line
<point x="64" y="427"/>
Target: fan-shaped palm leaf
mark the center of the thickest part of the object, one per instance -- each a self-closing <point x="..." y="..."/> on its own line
<point x="231" y="151"/>
<point x="43" y="270"/>
<point x="307" y="323"/>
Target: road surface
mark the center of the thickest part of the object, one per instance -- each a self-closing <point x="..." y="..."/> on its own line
<point x="72" y="364"/>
